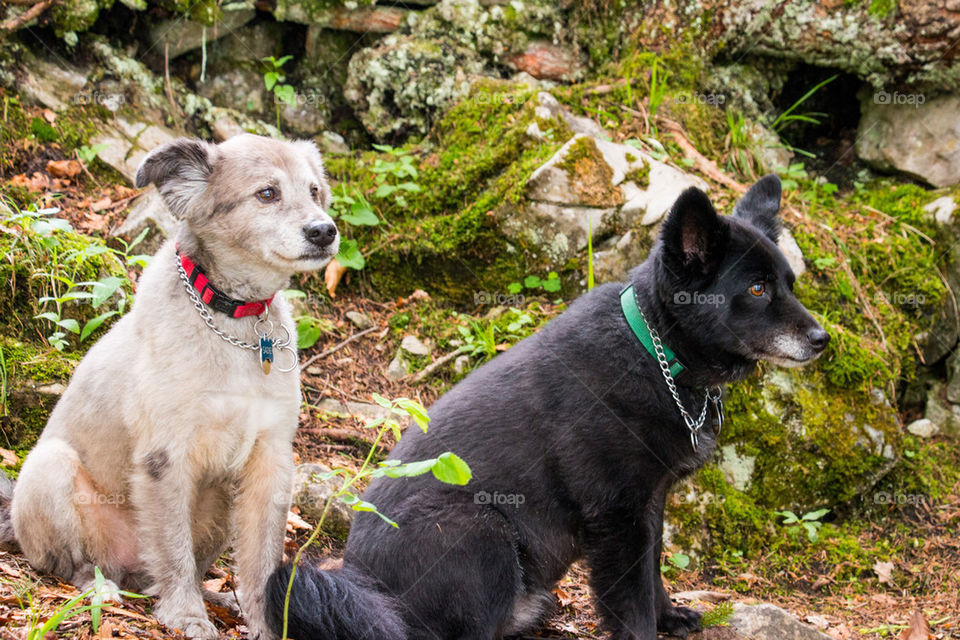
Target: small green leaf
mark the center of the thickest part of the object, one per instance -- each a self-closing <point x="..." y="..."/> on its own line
<point x="384" y="190"/>
<point x="415" y="411"/>
<point x="350" y="255"/>
<point x="514" y="287"/>
<point x="451" y="469"/>
<point x="531" y="282"/>
<point x="94" y="323"/>
<point x="70" y="325"/>
<point x="410" y="469"/>
<point x="383" y="402"/>
<point x="680" y="560"/>
<point x="361" y="215"/>
<point x="816" y="515"/>
<point x="286" y="94"/>
<point x="270" y="78"/>
<point x="103" y="289"/>
<point x="307" y="333"/>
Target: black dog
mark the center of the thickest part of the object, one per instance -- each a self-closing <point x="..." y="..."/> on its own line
<point x="574" y="438"/>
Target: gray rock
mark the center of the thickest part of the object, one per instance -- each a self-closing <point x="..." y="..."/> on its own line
<point x="129" y="142"/>
<point x="360" y="320"/>
<point x="941" y="413"/>
<point x="737" y="469"/>
<point x="240" y="88"/>
<point x="767" y="148"/>
<point x="398" y="368"/>
<point x="53" y="84"/>
<point x="921" y="139"/>
<point x="942" y="209"/>
<point x="148" y="211"/>
<point x="923" y="428"/>
<point x="389" y="100"/>
<point x="461" y="364"/>
<point x="953" y="378"/>
<point x="310" y="495"/>
<point x="187" y="35"/>
<point x="549" y="107"/>
<point x="362" y="19"/>
<point x="556" y="232"/>
<point x="411" y="344"/>
<point x="768" y="622"/>
<point x="791" y="251"/>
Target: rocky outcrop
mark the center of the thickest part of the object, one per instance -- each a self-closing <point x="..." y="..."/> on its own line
<point x="906" y="132"/>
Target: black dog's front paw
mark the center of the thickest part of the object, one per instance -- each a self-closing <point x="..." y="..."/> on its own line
<point x="679" y="622"/>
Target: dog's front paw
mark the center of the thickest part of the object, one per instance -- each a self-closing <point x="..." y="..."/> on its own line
<point x="678" y="621"/>
<point x="192" y="627"/>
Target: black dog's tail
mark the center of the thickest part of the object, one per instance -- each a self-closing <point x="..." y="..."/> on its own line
<point x="340" y="604"/>
<point x="7" y="539"/>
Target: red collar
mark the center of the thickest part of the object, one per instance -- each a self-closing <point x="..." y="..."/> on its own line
<point x="216" y="299"/>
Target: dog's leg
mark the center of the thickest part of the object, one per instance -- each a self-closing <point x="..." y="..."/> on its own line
<point x="671" y="620"/>
<point x="262" y="504"/>
<point x="619" y="550"/>
<point x="65" y="524"/>
<point x="163" y="488"/>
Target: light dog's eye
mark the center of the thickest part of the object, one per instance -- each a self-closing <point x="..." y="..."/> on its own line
<point x="758" y="289"/>
<point x="315" y="193"/>
<point x="267" y="195"/>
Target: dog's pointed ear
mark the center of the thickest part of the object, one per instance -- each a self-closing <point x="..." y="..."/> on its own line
<point x="181" y="170"/>
<point x="694" y="238"/>
<point x="760" y="206"/>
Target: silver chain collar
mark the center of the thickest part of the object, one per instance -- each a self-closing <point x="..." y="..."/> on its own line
<point x="710" y="395"/>
<point x="262" y="319"/>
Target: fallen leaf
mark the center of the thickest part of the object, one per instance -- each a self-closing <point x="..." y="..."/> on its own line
<point x="8" y="458"/>
<point x="101" y="204"/>
<point x="884" y="571"/>
<point x="49" y="116"/>
<point x="918" y="628"/>
<point x="214" y="584"/>
<point x="332" y="275"/>
<point x="563" y="596"/>
<point x="295" y="522"/>
<point x="64" y="168"/>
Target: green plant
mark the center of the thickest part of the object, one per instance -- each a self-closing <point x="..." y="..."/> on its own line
<point x="790" y="176"/>
<point x="3" y="383"/>
<point x="658" y="89"/>
<point x="481" y="338"/>
<point x="42" y="240"/>
<point x="309" y="330"/>
<point x="98" y="595"/>
<point x="396" y="175"/>
<point x="719" y="616"/>
<point x="89" y="154"/>
<point x="590" y="279"/>
<point x="447" y="468"/>
<point x="789" y="117"/>
<point x="809" y="521"/>
<point x="550" y="284"/>
<point x="275" y="80"/>
<point x="352" y="207"/>
<point x="676" y="560"/>
<point x="737" y="143"/>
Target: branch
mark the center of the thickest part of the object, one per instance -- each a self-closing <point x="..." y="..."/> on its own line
<point x="323" y="354"/>
<point x="33" y="12"/>
<point x="433" y="366"/>
<point x="707" y="166"/>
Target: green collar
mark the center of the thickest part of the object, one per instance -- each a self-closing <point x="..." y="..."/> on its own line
<point x="631" y="311"/>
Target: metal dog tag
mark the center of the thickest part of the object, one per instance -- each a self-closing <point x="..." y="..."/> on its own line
<point x="266" y="353"/>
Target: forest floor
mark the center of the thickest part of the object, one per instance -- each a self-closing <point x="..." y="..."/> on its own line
<point x="928" y="569"/>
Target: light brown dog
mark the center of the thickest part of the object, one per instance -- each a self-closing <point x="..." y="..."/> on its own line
<point x="171" y="436"/>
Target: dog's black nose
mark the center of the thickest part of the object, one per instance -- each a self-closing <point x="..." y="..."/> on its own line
<point x="320" y="233"/>
<point x="818" y="338"/>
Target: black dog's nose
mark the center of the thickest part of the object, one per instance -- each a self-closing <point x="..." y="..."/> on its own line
<point x="320" y="233"/>
<point x="818" y="338"/>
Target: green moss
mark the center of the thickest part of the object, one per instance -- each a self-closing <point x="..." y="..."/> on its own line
<point x="472" y="169"/>
<point x="590" y="174"/>
<point x="639" y="176"/>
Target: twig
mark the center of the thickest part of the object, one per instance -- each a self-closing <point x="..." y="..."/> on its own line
<point x="33" y="12"/>
<point x="166" y="75"/>
<point x="340" y="435"/>
<point x="707" y="166"/>
<point x="323" y="354"/>
<point x="433" y="366"/>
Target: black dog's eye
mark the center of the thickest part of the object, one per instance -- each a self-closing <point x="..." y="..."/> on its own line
<point x="267" y="195"/>
<point x="758" y="289"/>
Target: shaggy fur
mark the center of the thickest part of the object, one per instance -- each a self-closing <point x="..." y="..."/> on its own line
<point x="574" y="441"/>
<point x="166" y="432"/>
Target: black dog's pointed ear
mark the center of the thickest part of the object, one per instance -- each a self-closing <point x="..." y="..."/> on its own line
<point x="180" y="169"/>
<point x="760" y="206"/>
<point x="693" y="237"/>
